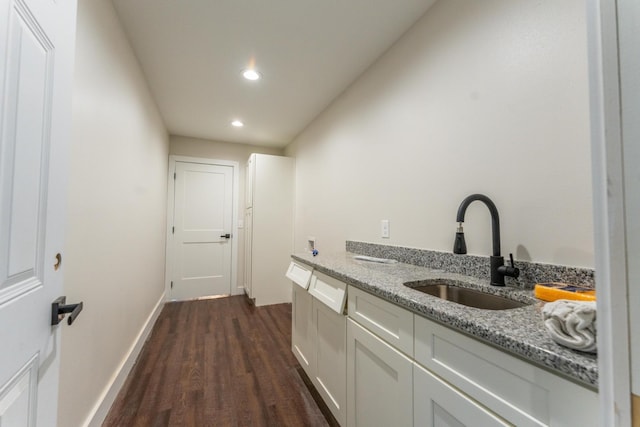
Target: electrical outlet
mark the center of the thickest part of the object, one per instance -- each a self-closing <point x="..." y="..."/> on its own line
<point x="384" y="228"/>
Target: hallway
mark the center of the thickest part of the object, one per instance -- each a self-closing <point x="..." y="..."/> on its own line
<point x="218" y="362"/>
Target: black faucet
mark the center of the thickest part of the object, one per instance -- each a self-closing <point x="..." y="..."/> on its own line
<point x="498" y="269"/>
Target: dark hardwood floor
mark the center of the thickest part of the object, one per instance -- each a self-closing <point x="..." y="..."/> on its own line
<point x="219" y="362"/>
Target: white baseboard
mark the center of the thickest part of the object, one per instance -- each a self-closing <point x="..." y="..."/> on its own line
<point x="101" y="409"/>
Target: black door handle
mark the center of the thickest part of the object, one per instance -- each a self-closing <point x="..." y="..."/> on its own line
<point x="226" y="236"/>
<point x="59" y="309"/>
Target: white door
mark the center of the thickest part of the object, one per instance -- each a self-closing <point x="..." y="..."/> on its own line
<point x="36" y="59"/>
<point x="203" y="214"/>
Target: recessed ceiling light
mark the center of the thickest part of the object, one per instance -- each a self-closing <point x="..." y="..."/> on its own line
<point x="237" y="123"/>
<point x="251" y="74"/>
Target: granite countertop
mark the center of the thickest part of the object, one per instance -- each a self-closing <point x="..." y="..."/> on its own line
<point x="519" y="331"/>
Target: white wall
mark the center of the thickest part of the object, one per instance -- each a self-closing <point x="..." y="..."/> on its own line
<point x="488" y="97"/>
<point x="194" y="147"/>
<point x="114" y="255"/>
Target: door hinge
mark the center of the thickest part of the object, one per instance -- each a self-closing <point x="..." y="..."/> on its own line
<point x="172" y="284"/>
<point x="173" y="230"/>
<point x="174" y="176"/>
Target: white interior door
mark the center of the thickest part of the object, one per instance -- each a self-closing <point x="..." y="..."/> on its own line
<point x="36" y="59"/>
<point x="203" y="213"/>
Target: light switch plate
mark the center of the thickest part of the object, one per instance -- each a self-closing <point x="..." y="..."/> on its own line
<point x="384" y="228"/>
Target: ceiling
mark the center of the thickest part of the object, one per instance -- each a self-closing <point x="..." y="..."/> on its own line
<point x="308" y="51"/>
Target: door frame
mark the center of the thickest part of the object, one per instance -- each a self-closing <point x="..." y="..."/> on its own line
<point x="609" y="68"/>
<point x="173" y="159"/>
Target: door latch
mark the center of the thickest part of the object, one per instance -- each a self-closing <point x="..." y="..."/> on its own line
<point x="59" y="309"/>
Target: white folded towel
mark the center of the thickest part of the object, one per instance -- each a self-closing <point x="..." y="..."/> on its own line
<point x="572" y="323"/>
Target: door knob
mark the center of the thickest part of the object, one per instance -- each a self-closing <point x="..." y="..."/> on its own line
<point x="59" y="309"/>
<point x="226" y="236"/>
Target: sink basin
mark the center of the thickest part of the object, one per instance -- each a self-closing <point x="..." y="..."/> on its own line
<point x="464" y="296"/>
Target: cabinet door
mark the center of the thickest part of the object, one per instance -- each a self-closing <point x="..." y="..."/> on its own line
<point x="302" y="328"/>
<point x="379" y="381"/>
<point x="438" y="404"/>
<point x="248" y="252"/>
<point x="248" y="185"/>
<point x="330" y="359"/>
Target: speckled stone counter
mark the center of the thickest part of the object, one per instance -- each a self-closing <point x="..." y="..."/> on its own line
<point x="519" y="331"/>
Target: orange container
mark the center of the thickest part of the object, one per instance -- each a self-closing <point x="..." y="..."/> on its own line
<point x="555" y="290"/>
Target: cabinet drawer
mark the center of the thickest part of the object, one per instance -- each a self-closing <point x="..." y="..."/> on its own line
<point x="329" y="291"/>
<point x="520" y="392"/>
<point x="391" y="323"/>
<point x="300" y="274"/>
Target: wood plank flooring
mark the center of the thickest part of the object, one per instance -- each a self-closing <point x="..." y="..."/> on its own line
<point x="219" y="362"/>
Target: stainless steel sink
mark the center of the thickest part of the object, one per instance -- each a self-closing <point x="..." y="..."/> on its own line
<point x="465" y="296"/>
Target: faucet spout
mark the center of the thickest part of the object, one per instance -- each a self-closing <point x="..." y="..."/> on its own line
<point x="495" y="219"/>
<point x="498" y="269"/>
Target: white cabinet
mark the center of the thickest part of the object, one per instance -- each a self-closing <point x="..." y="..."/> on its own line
<point x="248" y="252"/>
<point x="303" y="335"/>
<point x="379" y="375"/>
<point x="330" y="358"/>
<point x="457" y="380"/>
<point x="268" y="228"/>
<point x="379" y="381"/>
<point x="402" y="369"/>
<point x="249" y="176"/>
<point x="319" y="335"/>
<point x="437" y="404"/>
<point x="517" y="391"/>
